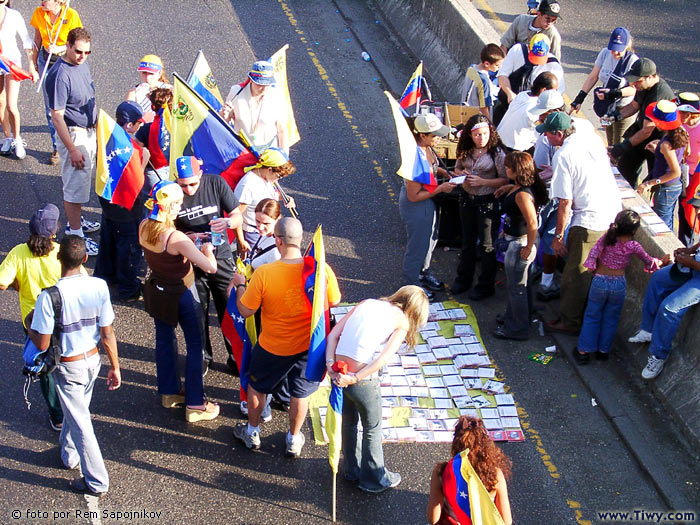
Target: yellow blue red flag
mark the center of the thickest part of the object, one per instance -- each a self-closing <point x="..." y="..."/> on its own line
<point x="466" y="494"/>
<point x="334" y="420"/>
<point x="198" y="130"/>
<point x="119" y="176"/>
<point x="412" y="94"/>
<point x="279" y="62"/>
<point x="314" y="281"/>
<point x="203" y="82"/>
<point x="414" y="163"/>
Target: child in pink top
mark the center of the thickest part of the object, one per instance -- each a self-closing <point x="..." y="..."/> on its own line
<point x="608" y="260"/>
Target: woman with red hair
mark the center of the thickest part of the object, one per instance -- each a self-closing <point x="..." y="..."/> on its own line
<point x="489" y="462"/>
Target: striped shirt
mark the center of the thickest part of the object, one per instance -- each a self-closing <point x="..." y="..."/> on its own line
<point x="477" y="90"/>
<point x="86" y="308"/>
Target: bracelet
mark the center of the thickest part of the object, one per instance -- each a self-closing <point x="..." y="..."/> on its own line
<point x="239" y="285"/>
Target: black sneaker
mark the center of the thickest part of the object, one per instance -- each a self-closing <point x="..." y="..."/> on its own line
<point x="478" y="295"/>
<point x="458" y="287"/>
<point x="602" y="356"/>
<point x="581" y="359"/>
<point x="430" y="281"/>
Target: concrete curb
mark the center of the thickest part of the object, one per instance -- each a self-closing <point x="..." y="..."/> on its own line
<point x="627" y="429"/>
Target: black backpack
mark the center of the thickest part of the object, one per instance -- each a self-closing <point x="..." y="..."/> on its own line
<point x="520" y="78"/>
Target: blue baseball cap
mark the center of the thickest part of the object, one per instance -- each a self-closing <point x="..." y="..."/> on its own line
<point x="128" y="111"/>
<point x="619" y="39"/>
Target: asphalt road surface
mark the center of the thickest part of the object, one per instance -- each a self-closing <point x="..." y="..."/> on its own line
<point x="572" y="463"/>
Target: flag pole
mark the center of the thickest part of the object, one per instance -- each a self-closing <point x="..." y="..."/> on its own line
<point x="189" y="75"/>
<point x="55" y="39"/>
<point x="334" y="494"/>
<point x="286" y="199"/>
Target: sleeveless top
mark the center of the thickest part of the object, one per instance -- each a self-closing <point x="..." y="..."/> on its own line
<point x="367" y="329"/>
<point x="514" y="223"/>
<point x="169" y="277"/>
<point x="661" y="166"/>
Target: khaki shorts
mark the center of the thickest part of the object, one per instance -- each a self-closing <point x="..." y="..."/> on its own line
<point x="76" y="183"/>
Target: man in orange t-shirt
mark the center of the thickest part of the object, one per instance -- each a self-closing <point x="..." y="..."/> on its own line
<point x="282" y="348"/>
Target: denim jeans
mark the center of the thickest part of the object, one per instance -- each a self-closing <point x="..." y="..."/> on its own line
<point x="168" y="378"/>
<point x="605" y="299"/>
<point x="665" y="303"/>
<point x="41" y="63"/>
<point x="519" y="307"/>
<point x="665" y="200"/>
<point x="120" y="256"/>
<point x="480" y="218"/>
<point x="364" y="461"/>
<point x="420" y="219"/>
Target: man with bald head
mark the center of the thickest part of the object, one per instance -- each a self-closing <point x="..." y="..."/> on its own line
<point x="281" y="352"/>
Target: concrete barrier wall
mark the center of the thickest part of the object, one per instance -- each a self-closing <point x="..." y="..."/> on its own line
<point x="448" y="36"/>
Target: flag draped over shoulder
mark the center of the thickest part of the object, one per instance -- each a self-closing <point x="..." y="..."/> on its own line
<point x="203" y="82"/>
<point x="119" y="177"/>
<point x="334" y="419"/>
<point x="159" y="136"/>
<point x="279" y="62"/>
<point x="13" y="69"/>
<point x="412" y="94"/>
<point x="314" y="282"/>
<point x="240" y="332"/>
<point x="199" y="130"/>
<point x="689" y="210"/>
<point x="414" y="164"/>
<point x="466" y="494"/>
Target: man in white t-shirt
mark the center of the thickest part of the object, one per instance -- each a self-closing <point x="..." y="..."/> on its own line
<point x="256" y="108"/>
<point x="583" y="181"/>
<point x="517" y="128"/>
<point x="86" y="320"/>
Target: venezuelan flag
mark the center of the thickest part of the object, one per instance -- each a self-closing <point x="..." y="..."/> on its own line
<point x="13" y="69"/>
<point x="467" y="495"/>
<point x="279" y="62"/>
<point x="411" y="95"/>
<point x="314" y="276"/>
<point x="199" y="130"/>
<point x="203" y="82"/>
<point x="159" y="139"/>
<point x="334" y="420"/>
<point x="414" y="164"/>
<point x="119" y="177"/>
<point x="240" y="332"/>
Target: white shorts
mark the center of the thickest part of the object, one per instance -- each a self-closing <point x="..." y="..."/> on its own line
<point x="76" y="182"/>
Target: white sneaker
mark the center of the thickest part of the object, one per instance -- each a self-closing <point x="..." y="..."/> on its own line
<point x="20" y="151"/>
<point x="294" y="445"/>
<point x="7" y="146"/>
<point x="244" y="408"/>
<point x="91" y="247"/>
<point x="653" y="368"/>
<point x="642" y="336"/>
<point x="87" y="226"/>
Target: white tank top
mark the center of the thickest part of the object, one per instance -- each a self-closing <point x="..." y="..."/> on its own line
<point x="367" y="329"/>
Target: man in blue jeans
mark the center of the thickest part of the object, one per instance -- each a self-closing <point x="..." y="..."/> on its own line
<point x="671" y="292"/>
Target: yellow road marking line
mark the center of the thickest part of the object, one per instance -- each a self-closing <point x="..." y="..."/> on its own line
<point x="339" y="102"/>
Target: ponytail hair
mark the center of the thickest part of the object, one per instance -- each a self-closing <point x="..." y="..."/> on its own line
<point x="626" y="223"/>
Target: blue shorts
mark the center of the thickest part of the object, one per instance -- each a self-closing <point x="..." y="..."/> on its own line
<point x="267" y="372"/>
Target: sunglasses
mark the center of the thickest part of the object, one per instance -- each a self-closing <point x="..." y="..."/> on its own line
<point x="190" y="185"/>
<point x="81" y="53"/>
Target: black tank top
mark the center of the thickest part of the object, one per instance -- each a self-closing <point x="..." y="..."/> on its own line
<point x="514" y="223"/>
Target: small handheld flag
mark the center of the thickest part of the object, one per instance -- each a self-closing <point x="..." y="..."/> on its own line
<point x="203" y="82"/>
<point x="314" y="282"/>
<point x="412" y="94"/>
<point x="13" y="69"/>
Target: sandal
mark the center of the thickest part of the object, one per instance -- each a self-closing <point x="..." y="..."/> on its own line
<point x="172" y="400"/>
<point x="211" y="411"/>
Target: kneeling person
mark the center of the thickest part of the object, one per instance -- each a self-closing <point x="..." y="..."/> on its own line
<point x="282" y="349"/>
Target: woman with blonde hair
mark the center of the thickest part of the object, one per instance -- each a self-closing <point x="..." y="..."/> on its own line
<point x="365" y="339"/>
<point x="152" y="74"/>
<point x="489" y="462"/>
<point x="171" y="299"/>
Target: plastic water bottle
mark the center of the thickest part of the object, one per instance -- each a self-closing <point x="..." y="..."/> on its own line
<point x="365" y="56"/>
<point x="217" y="239"/>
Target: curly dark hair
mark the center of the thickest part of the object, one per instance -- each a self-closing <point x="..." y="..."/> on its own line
<point x="678" y="138"/>
<point x="523" y="166"/>
<point x="159" y="97"/>
<point x="284" y="170"/>
<point x="40" y="246"/>
<point x="484" y="455"/>
<point x="627" y="222"/>
<point x="466" y="145"/>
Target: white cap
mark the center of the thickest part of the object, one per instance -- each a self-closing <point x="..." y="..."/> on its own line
<point x="430" y="124"/>
<point x="547" y="101"/>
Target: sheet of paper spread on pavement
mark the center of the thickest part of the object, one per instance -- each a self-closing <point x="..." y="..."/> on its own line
<point x="426" y="389"/>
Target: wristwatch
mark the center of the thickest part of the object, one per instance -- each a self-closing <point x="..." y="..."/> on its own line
<point x="559" y="236"/>
<point x="657" y="181"/>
